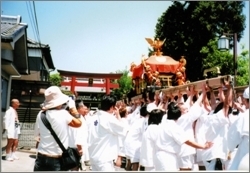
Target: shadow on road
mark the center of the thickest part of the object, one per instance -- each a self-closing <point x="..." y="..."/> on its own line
<point x="32" y="156"/>
<point x="3" y="157"/>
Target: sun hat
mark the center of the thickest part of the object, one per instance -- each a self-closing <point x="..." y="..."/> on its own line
<point x="246" y="93"/>
<point x="54" y="97"/>
<point x="151" y="106"/>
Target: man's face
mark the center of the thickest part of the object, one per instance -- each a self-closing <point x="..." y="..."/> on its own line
<point x="83" y="110"/>
<point x="16" y="104"/>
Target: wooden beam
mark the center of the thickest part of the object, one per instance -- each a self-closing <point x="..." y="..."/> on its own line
<point x="212" y="82"/>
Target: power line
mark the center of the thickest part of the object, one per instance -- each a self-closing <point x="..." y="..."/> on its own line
<point x="31" y="19"/>
<point x="39" y="40"/>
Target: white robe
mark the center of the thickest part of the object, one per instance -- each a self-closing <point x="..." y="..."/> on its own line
<point x="168" y="145"/>
<point x="148" y="146"/>
<point x="121" y="140"/>
<point x="238" y="134"/>
<point x="186" y="122"/>
<point x="133" y="139"/>
<point x="9" y="123"/>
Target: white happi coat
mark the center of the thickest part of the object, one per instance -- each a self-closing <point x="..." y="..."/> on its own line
<point x="168" y="145"/>
<point x="216" y="132"/>
<point x="77" y="135"/>
<point x="103" y="137"/>
<point x="186" y="122"/>
<point x="135" y="115"/>
<point x="133" y="139"/>
<point x="148" y="146"/>
<point x="199" y="135"/>
<point x="238" y="134"/>
<point x="121" y="139"/>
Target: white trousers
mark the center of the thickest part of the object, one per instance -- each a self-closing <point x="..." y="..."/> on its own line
<point x="107" y="166"/>
<point x="149" y="169"/>
<point x="165" y="161"/>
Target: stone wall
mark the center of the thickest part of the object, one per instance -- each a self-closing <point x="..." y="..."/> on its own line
<point x="27" y="138"/>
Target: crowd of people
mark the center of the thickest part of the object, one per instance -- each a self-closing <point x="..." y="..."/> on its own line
<point x="195" y="131"/>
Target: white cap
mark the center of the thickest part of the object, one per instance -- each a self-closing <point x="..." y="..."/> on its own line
<point x="151" y="106"/>
<point x="246" y="93"/>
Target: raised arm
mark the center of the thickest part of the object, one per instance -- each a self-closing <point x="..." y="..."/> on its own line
<point x="228" y="98"/>
<point x="212" y="98"/>
<point x="221" y="94"/>
<point x="190" y="94"/>
<point x="206" y="104"/>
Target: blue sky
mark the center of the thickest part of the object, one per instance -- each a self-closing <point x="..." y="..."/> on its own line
<point x="99" y="37"/>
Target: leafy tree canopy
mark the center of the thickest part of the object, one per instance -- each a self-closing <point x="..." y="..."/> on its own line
<point x="189" y="26"/>
<point x="125" y="84"/>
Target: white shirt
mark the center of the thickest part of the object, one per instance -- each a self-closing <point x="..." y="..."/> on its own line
<point x="186" y="122"/>
<point x="171" y="137"/>
<point x="200" y="138"/>
<point x="59" y="120"/>
<point x="78" y="136"/>
<point x="216" y="132"/>
<point x="9" y="119"/>
<point x="133" y="139"/>
<point x="148" y="145"/>
<point x="103" y="137"/>
<point x="238" y="134"/>
<point x="135" y="115"/>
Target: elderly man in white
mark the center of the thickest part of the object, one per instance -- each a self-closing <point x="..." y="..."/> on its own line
<point x="12" y="127"/>
<point x="238" y="134"/>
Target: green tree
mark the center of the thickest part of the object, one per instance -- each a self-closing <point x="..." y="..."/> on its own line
<point x="188" y="27"/>
<point x="224" y="60"/>
<point x="125" y="84"/>
<point x="243" y="68"/>
<point x="55" y="80"/>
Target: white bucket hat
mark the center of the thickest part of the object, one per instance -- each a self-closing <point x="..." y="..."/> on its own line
<point x="246" y="93"/>
<point x="54" y="97"/>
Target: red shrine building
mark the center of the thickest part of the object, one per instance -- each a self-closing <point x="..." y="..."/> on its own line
<point x="90" y="87"/>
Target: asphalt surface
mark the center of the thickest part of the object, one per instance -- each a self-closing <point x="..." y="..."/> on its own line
<point x="25" y="163"/>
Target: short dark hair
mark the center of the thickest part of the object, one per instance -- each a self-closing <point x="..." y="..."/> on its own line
<point x="174" y="111"/>
<point x="143" y="110"/>
<point x="155" y="116"/>
<point x="220" y="106"/>
<point x="151" y="95"/>
<point x="79" y="103"/>
<point x="123" y="112"/>
<point x="107" y="102"/>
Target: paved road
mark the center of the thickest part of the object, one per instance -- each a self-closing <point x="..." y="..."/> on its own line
<point x="25" y="163"/>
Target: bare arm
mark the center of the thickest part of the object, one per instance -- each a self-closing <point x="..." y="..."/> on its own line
<point x="190" y="94"/>
<point x="228" y="99"/>
<point x="221" y="94"/>
<point x="180" y="98"/>
<point x="207" y="105"/>
<point x="198" y="146"/>
<point x="212" y="98"/>
<point x="76" y="122"/>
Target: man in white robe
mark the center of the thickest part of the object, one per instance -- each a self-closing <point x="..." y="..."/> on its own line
<point x="103" y="135"/>
<point x="238" y="134"/>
